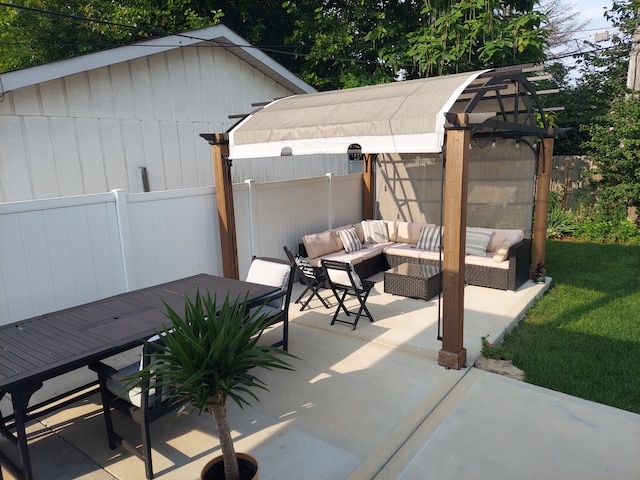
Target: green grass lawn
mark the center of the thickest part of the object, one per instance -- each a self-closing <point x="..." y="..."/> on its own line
<point x="583" y="336"/>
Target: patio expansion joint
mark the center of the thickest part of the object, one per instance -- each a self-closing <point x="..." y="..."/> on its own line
<point x="374" y="464"/>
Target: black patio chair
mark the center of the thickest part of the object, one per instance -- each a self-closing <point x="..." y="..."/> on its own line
<point x="313" y="279"/>
<point x="275" y="273"/>
<point x="344" y="281"/>
<point x="143" y="404"/>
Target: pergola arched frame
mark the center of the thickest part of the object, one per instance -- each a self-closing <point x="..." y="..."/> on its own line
<point x="439" y="115"/>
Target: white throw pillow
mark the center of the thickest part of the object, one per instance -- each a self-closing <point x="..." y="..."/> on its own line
<point x="375" y="231"/>
<point x="350" y="239"/>
<point x="502" y="252"/>
<point x="430" y="239"/>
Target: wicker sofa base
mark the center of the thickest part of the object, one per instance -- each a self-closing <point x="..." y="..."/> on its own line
<point x="481" y="276"/>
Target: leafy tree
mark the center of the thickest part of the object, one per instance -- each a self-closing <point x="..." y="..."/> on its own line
<point x="458" y="36"/>
<point x="614" y="148"/>
<point x="40" y="31"/>
<point x="600" y="78"/>
<point x="345" y="44"/>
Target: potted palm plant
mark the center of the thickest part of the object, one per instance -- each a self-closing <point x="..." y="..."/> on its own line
<point x="208" y="357"/>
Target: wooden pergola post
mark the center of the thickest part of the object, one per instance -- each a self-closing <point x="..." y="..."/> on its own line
<point x="368" y="193"/>
<point x="224" y="199"/>
<point x="543" y="184"/>
<point x="453" y="354"/>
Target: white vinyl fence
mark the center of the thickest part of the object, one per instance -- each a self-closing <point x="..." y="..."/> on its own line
<point x="64" y="252"/>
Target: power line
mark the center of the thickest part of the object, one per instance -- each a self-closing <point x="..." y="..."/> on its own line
<point x="265" y="48"/>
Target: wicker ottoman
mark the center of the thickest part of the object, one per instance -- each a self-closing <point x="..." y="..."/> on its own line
<point x="412" y="280"/>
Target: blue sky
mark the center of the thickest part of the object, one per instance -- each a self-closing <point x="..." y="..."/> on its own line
<point x="592" y="10"/>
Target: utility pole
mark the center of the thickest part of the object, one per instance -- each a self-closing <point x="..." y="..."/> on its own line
<point x="633" y="74"/>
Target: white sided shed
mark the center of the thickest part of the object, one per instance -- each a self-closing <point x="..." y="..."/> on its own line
<point x="129" y="117"/>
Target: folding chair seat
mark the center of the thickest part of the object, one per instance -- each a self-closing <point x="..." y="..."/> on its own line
<point x="141" y="403"/>
<point x="274" y="273"/>
<point x="313" y="279"/>
<point x="345" y="282"/>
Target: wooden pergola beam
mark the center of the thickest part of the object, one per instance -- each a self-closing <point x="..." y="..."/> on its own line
<point x="453" y="354"/>
<point x="224" y="201"/>
<point x="368" y="193"/>
<point x="543" y="185"/>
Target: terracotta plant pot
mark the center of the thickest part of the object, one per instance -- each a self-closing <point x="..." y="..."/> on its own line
<point x="214" y="469"/>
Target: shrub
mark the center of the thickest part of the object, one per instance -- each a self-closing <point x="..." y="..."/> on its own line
<point x="560" y="223"/>
<point x="497" y="352"/>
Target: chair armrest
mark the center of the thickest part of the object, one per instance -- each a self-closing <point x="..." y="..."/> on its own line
<point x="102" y="369"/>
<point x="519" y="260"/>
<point x="266" y="299"/>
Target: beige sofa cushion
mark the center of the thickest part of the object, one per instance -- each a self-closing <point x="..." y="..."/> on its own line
<point x="403" y="250"/>
<point x="368" y="251"/>
<point x="502" y="234"/>
<point x="319" y="244"/>
<point x="409" y="232"/>
<point x="392" y="230"/>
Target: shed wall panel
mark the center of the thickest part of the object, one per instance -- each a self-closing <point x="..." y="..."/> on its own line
<point x="79" y="95"/>
<point x="40" y="157"/>
<point x="90" y="150"/>
<point x="113" y="153"/>
<point x="101" y="93"/>
<point x="53" y="98"/>
<point x="187" y="148"/>
<point x="26" y="101"/>
<point x="65" y="154"/>
<point x="179" y="94"/>
<point x="194" y="84"/>
<point x="134" y="153"/>
<point x="123" y="98"/>
<point x="154" y="157"/>
<point x="15" y="176"/>
<point x="143" y="99"/>
<point x="171" y="152"/>
<point x="160" y="87"/>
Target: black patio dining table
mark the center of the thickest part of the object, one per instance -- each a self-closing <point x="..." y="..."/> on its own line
<point x="46" y="346"/>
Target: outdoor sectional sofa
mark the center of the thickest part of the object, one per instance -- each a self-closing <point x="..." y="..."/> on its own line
<point x="496" y="258"/>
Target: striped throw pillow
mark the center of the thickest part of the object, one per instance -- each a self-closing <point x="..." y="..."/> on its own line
<point x="375" y="231"/>
<point x="350" y="239"/>
<point x="430" y="239"/>
<point x="477" y="241"/>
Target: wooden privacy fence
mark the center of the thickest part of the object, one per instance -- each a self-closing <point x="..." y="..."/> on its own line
<point x="567" y="177"/>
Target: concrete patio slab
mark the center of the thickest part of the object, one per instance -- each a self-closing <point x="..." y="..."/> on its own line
<point x="491" y="426"/>
<point x="371" y="403"/>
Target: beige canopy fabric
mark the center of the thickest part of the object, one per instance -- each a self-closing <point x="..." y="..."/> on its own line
<point x="400" y="117"/>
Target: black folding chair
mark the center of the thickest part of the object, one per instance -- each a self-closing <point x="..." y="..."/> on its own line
<point x="313" y="279"/>
<point x="344" y="281"/>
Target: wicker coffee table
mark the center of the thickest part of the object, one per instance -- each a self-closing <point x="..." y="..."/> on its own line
<point x="412" y="280"/>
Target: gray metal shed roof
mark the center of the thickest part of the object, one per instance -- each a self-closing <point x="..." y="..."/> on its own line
<point x="218" y="35"/>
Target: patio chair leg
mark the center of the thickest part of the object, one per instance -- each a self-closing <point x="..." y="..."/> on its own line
<point x="340" y="306"/>
<point x="314" y="294"/>
<point x="302" y="294"/>
<point x="366" y="313"/>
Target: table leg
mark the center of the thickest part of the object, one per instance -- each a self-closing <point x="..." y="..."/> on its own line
<point x="20" y="399"/>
